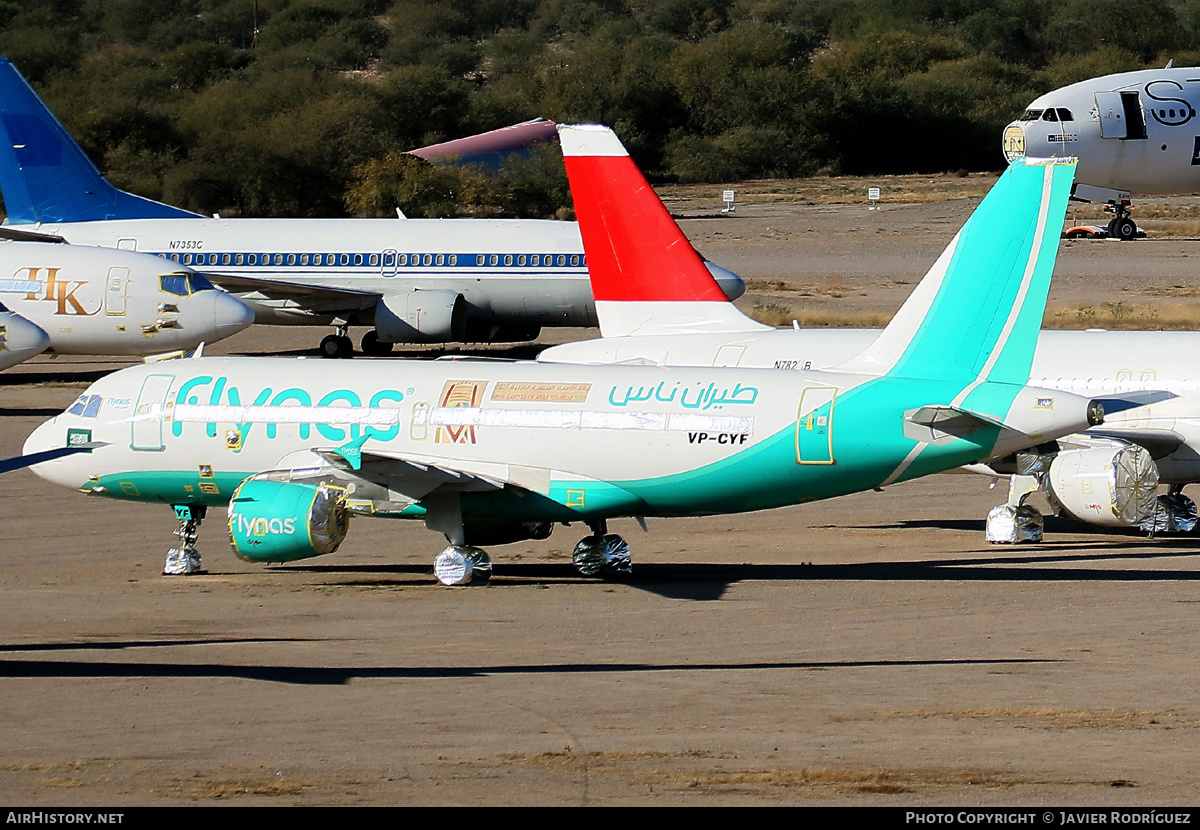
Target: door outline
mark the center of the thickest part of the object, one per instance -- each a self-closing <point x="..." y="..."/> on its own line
<point x="145" y="428"/>
<point x="816" y="405"/>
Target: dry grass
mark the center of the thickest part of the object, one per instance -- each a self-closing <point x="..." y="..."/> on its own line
<point x="838" y="190"/>
<point x="1119" y="316"/>
<point x="201" y="787"/>
<point x="680" y="770"/>
<point x="1044" y="717"/>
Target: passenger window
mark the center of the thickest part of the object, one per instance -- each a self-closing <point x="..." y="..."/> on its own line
<point x="441" y="259"/>
<point x="508" y="259"/>
<point x="373" y="260"/>
<point x="454" y="259"/>
<point x="562" y="260"/>
<point x="533" y="260"/>
<point x="291" y="259"/>
<point x="304" y="259"/>
<point x="402" y="259"/>
<point x="240" y="259"/>
<point x="493" y="260"/>
<point x="427" y="259"/>
<point x="279" y="259"/>
<point x="226" y="259"/>
<point x="521" y="259"/>
<point x="358" y="259"/>
<point x="479" y="260"/>
<point x="345" y="259"/>
<point x="574" y="260"/>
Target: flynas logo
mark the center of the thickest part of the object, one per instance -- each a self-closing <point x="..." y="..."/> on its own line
<point x="261" y="527"/>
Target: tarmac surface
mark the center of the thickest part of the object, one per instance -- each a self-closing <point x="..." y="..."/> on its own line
<point x="870" y="650"/>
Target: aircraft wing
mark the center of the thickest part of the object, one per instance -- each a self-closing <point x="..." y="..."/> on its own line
<point x="14" y="235"/>
<point x="19" y="462"/>
<point x="1158" y="442"/>
<point x="418" y="476"/>
<point x="283" y="289"/>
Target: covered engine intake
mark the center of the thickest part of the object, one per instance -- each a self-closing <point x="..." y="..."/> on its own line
<point x="273" y="521"/>
<point x="422" y="317"/>
<point x="1110" y="486"/>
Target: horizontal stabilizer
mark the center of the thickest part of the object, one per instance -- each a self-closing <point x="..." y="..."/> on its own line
<point x="934" y="424"/>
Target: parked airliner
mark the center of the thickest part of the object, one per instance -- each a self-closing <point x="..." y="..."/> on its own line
<point x="90" y="300"/>
<point x="667" y="311"/>
<point x="409" y="280"/>
<point x="1133" y="132"/>
<point x="489" y="452"/>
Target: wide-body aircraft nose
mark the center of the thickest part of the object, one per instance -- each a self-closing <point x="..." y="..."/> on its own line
<point x="730" y="283"/>
<point x="19" y="339"/>
<point x="230" y="315"/>
<point x="1014" y="141"/>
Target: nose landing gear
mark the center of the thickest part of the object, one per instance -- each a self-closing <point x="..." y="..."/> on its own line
<point x="185" y="559"/>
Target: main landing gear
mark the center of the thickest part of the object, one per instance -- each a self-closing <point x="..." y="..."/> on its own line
<point x="1122" y="225"/>
<point x="185" y="559"/>
<point x="600" y="554"/>
<point x="338" y="345"/>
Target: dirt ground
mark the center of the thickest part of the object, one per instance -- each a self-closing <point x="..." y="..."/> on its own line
<point x="871" y="650"/>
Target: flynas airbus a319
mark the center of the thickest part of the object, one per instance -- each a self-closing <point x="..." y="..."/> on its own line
<point x="491" y="452"/>
<point x="1108" y="476"/>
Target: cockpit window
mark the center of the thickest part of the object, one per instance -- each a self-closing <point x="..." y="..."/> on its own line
<point x="1064" y="114"/>
<point x="176" y="284"/>
<point x="87" y="406"/>
<point x="1050" y="115"/>
<point x="3" y="307"/>
<point x="1031" y="115"/>
<point x="198" y="282"/>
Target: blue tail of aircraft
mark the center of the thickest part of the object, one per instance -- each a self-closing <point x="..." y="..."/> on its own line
<point x="45" y="176"/>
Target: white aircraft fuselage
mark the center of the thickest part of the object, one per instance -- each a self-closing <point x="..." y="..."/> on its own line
<point x="1133" y="131"/>
<point x="101" y="301"/>
<point x="1092" y="363"/>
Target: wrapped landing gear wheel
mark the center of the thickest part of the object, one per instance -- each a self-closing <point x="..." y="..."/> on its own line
<point x="602" y="554"/>
<point x="462" y="565"/>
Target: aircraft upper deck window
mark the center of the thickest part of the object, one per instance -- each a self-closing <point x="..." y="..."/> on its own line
<point x="1050" y="115"/>
<point x="1031" y="115"/>
<point x="1064" y="114"/>
<point x="176" y="284"/>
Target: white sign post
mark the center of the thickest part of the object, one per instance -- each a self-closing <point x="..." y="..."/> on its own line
<point x="873" y="194"/>
<point x="728" y="199"/>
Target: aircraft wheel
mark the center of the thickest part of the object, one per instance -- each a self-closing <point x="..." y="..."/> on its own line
<point x="336" y="346"/>
<point x="1124" y="228"/>
<point x="372" y="345"/>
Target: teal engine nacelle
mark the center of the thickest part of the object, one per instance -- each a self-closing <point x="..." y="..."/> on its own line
<point x="274" y="521"/>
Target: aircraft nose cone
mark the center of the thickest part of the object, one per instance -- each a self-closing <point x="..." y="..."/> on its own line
<point x="1014" y="141"/>
<point x="22" y="340"/>
<point x="730" y="283"/>
<point x="230" y="315"/>
<point x="46" y="437"/>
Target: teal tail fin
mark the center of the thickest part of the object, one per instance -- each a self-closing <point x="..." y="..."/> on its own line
<point x="975" y="316"/>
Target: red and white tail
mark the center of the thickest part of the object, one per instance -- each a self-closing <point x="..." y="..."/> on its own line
<point x="646" y="277"/>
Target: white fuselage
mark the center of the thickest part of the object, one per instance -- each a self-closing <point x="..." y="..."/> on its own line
<point x="1133" y="131"/>
<point x="1088" y="363"/>
<point x="525" y="271"/>
<point x="100" y="301"/>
